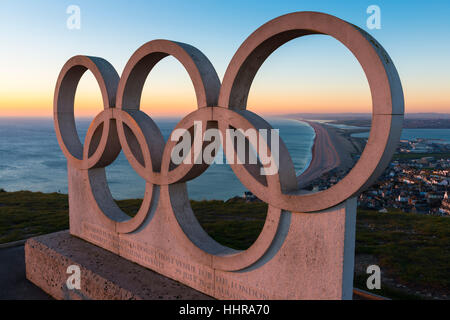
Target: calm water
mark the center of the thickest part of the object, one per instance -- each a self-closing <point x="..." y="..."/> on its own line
<point x="411" y="134"/>
<point x="32" y="160"/>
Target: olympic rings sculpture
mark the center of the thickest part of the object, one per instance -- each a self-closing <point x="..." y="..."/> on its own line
<point x="122" y="126"/>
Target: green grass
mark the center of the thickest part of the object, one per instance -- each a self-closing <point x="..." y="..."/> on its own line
<point x="24" y="214"/>
<point x="412" y="248"/>
<point x="234" y="224"/>
<point x="415" y="248"/>
<point x="385" y="291"/>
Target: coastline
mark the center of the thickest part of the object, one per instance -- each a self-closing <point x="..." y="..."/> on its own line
<point x="320" y="162"/>
<point x="332" y="149"/>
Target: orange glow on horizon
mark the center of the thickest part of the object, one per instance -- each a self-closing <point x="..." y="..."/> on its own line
<point x="89" y="106"/>
<point x="159" y="100"/>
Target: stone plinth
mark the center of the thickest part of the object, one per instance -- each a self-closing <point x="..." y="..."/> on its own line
<point x="104" y="275"/>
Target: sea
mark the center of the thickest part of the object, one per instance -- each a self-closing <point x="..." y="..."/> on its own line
<point x="31" y="159"/>
<point x="440" y="135"/>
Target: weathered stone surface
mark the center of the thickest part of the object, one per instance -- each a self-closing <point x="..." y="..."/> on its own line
<point x="313" y="250"/>
<point x="306" y="248"/>
<point x="104" y="275"/>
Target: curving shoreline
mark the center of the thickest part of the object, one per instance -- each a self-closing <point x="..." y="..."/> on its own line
<point x="331" y="149"/>
<point x="324" y="155"/>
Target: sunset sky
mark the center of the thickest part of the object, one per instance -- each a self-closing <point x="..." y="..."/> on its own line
<point x="310" y="74"/>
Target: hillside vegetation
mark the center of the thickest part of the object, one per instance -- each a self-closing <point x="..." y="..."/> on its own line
<point x="412" y="250"/>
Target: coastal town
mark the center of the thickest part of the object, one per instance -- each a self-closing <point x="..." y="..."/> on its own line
<point x="417" y="179"/>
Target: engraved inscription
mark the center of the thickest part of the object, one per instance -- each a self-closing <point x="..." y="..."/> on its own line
<point x="100" y="236"/>
<point x="195" y="275"/>
<point x="141" y="253"/>
<point x="231" y="289"/>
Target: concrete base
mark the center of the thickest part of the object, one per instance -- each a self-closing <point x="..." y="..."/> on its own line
<point x="104" y="275"/>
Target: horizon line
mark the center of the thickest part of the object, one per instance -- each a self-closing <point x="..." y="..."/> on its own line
<point x="263" y="114"/>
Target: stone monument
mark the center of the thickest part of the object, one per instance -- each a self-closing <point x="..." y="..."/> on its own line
<point x="306" y="247"/>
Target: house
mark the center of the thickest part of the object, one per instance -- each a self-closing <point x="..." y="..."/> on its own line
<point x="402" y="197"/>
